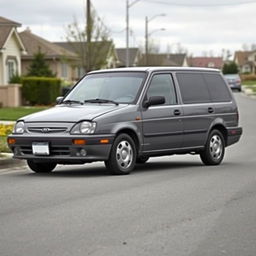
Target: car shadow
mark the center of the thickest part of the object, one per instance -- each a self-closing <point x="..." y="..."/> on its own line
<point x="92" y="171"/>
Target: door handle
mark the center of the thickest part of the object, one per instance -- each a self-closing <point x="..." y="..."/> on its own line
<point x="176" y="112"/>
<point x="210" y="110"/>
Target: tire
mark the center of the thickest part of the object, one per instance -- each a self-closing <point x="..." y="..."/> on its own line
<point x="142" y="159"/>
<point x="122" y="157"/>
<point x="214" y="151"/>
<point x="41" y="167"/>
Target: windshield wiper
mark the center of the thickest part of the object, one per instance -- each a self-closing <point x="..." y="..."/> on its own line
<point x="72" y="101"/>
<point x="101" y="101"/>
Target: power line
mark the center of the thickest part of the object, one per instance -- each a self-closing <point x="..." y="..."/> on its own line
<point x="172" y="3"/>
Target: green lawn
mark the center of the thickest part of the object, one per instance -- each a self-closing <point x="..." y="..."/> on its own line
<point x="249" y="83"/>
<point x="12" y="114"/>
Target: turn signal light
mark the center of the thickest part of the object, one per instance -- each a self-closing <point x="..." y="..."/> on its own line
<point x="79" y="142"/>
<point x="104" y="141"/>
<point x="11" y="141"/>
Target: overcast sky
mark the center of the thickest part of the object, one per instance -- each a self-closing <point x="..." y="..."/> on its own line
<point x="199" y="25"/>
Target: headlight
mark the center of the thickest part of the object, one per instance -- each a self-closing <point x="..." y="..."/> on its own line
<point x="84" y="128"/>
<point x="19" y="127"/>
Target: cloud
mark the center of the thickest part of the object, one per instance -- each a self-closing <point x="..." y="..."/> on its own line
<point x="194" y="27"/>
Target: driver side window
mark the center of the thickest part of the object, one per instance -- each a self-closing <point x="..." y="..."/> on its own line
<point x="162" y="85"/>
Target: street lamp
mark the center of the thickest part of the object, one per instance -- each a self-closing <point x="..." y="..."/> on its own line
<point x="128" y="5"/>
<point x="147" y="20"/>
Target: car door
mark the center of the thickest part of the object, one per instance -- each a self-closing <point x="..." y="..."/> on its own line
<point x="162" y="125"/>
<point x="198" y="109"/>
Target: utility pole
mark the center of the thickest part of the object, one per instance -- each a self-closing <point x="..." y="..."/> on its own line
<point x="147" y="20"/>
<point x="88" y="35"/>
<point x="146" y="41"/>
<point x="127" y="35"/>
<point x="128" y="5"/>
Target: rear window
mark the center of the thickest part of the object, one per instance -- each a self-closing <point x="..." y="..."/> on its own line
<point x="193" y="88"/>
<point x="217" y="88"/>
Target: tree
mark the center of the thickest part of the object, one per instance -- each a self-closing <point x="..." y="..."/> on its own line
<point x="90" y="41"/>
<point x="39" y="67"/>
<point x="230" y="68"/>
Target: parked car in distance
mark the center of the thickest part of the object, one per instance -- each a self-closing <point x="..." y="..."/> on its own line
<point x="234" y="81"/>
<point x="125" y="116"/>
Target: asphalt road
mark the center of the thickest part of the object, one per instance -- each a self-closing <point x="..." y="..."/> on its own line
<point x="170" y="206"/>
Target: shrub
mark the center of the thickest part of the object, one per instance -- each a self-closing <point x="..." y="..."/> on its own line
<point x="5" y="130"/>
<point x="230" y="68"/>
<point x="248" y="77"/>
<point x="15" y="79"/>
<point x="40" y="90"/>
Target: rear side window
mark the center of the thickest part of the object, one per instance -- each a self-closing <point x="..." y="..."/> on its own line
<point x="217" y="88"/>
<point x="193" y="88"/>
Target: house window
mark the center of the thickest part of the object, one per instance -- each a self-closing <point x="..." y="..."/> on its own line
<point x="64" y="70"/>
<point x="211" y="65"/>
<point x="80" y="72"/>
<point x="11" y="69"/>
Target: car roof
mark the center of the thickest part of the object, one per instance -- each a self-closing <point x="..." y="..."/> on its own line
<point x="152" y="69"/>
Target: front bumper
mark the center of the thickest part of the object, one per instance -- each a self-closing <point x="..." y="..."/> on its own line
<point x="234" y="135"/>
<point x="62" y="149"/>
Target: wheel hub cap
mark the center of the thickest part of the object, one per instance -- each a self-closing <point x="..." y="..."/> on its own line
<point x="124" y="154"/>
<point x="216" y="147"/>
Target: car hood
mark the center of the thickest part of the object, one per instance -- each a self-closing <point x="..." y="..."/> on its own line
<point x="72" y="113"/>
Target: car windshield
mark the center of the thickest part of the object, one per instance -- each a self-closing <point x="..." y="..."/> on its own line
<point x="232" y="76"/>
<point x="115" y="87"/>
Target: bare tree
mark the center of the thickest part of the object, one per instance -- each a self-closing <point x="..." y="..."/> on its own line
<point x="92" y="52"/>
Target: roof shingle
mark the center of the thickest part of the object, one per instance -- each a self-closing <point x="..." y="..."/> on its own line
<point x="6" y="22"/>
<point x="33" y="43"/>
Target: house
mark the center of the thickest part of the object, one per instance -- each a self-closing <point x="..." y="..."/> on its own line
<point x="168" y="60"/>
<point x="246" y="61"/>
<point x="206" y="62"/>
<point x="61" y="61"/>
<point x="11" y="49"/>
<point x="102" y="54"/>
<point x="134" y="57"/>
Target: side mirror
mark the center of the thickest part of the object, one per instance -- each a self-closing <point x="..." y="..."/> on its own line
<point x="154" y="100"/>
<point x="59" y="99"/>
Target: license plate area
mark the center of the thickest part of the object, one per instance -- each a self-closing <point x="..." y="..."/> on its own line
<point x="40" y="148"/>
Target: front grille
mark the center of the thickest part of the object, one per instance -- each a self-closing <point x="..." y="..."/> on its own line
<point x="47" y="129"/>
<point x="54" y="150"/>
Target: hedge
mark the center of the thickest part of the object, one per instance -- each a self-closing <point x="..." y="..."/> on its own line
<point x="248" y="77"/>
<point x="40" y="90"/>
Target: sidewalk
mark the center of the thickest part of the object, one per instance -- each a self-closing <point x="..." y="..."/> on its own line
<point x="7" y="122"/>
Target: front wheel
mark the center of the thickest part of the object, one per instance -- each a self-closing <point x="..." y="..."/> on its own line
<point x="214" y="149"/>
<point x="41" y="167"/>
<point x="122" y="156"/>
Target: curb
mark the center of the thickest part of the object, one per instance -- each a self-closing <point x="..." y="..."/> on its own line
<point x="8" y="162"/>
<point x="249" y="92"/>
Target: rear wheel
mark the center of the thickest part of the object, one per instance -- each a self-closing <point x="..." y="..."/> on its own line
<point x="214" y="150"/>
<point x="122" y="156"/>
<point x="41" y="167"/>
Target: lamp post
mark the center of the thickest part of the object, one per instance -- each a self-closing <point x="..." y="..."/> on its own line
<point x="147" y="20"/>
<point x="128" y="6"/>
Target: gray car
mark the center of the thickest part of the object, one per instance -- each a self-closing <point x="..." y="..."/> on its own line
<point x="124" y="116"/>
<point x="234" y="81"/>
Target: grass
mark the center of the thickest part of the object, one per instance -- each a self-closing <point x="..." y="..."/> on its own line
<point x="12" y="114"/>
<point x="250" y="83"/>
